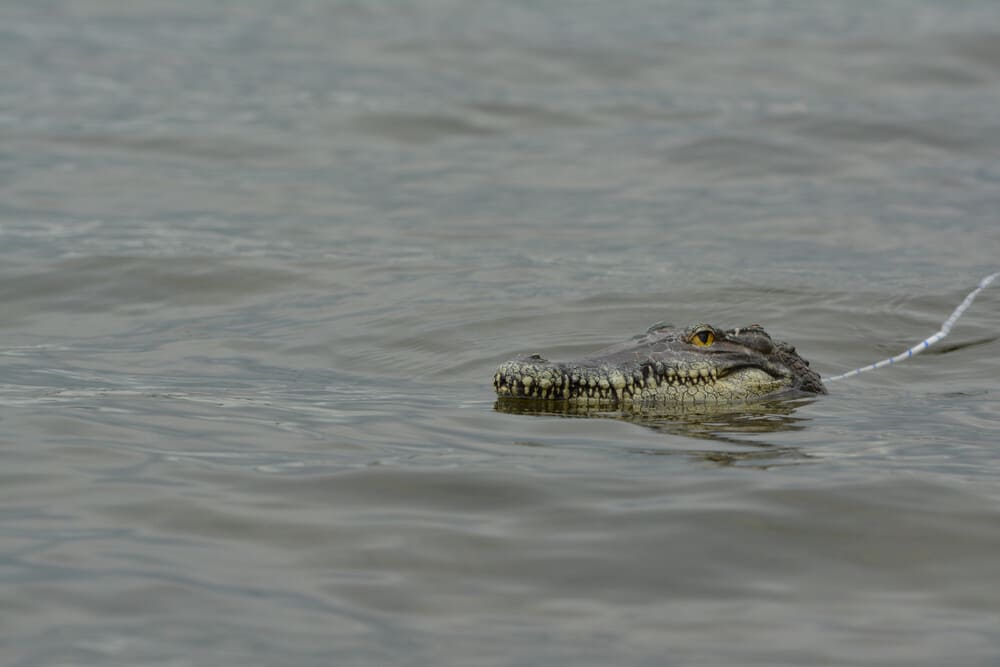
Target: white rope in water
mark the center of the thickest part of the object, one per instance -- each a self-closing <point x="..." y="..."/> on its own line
<point x="923" y="345"/>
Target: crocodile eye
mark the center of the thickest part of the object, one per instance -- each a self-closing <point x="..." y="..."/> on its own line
<point x="702" y="338"/>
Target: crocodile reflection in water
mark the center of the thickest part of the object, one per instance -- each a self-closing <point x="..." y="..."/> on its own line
<point x="734" y="429"/>
<point x="666" y="367"/>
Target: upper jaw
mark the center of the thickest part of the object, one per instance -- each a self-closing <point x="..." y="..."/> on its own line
<point x="717" y="363"/>
<point x="676" y="369"/>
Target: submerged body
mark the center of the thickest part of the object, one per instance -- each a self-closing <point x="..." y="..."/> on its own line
<point x="666" y="366"/>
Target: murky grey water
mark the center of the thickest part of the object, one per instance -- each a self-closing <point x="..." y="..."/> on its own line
<point x="259" y="260"/>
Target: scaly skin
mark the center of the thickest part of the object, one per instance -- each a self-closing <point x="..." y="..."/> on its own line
<point x="700" y="365"/>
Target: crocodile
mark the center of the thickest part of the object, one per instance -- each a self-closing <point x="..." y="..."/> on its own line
<point x="698" y="365"/>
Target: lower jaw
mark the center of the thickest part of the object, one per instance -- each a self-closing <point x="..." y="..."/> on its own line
<point x="664" y="394"/>
<point x="551" y="385"/>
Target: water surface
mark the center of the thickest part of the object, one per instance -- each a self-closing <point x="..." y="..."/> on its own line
<point x="259" y="263"/>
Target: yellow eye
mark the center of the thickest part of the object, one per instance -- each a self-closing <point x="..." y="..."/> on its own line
<point x="702" y="338"/>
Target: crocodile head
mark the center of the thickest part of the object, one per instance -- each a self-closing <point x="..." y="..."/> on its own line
<point x="666" y="366"/>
